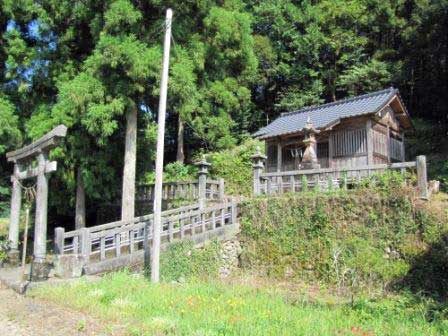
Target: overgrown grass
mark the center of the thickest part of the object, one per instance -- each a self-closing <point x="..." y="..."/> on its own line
<point x="375" y="237"/>
<point x="214" y="308"/>
<point x="4" y="222"/>
<point x="365" y="239"/>
<point x="182" y="261"/>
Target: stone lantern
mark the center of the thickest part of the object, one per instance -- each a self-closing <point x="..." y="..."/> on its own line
<point x="203" y="166"/>
<point x="257" y="165"/>
<point x="309" y="159"/>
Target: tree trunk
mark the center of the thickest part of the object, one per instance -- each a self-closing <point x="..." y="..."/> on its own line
<point x="180" y="156"/>
<point x="332" y="91"/>
<point x="80" y="215"/>
<point x="130" y="157"/>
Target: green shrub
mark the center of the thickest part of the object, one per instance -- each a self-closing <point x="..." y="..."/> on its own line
<point x="362" y="238"/>
<point x="174" y="171"/>
<point x="388" y="180"/>
<point x="430" y="139"/>
<point x="177" y="171"/>
<point x="4" y="247"/>
<point x="235" y="166"/>
<point x="183" y="260"/>
<point x="4" y="201"/>
<point x="438" y="170"/>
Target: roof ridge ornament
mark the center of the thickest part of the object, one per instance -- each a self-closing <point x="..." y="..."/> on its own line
<point x="309" y="128"/>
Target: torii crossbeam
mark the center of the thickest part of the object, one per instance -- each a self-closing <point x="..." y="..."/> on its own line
<point x="23" y="169"/>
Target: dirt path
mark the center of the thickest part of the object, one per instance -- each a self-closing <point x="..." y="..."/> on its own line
<point x="24" y="316"/>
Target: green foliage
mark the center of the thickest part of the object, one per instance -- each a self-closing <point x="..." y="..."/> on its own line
<point x="182" y="260"/>
<point x="235" y="166"/>
<point x="4" y="205"/>
<point x="430" y="139"/>
<point x="387" y="181"/>
<point x="371" y="76"/>
<point x="304" y="182"/>
<point x="4" y="248"/>
<point x="9" y="129"/>
<point x="215" y="308"/>
<point x="357" y="239"/>
<point x="175" y="171"/>
<point x="235" y="65"/>
<point x="440" y="173"/>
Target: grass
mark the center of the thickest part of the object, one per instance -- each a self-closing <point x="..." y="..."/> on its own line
<point x="4" y="222"/>
<point x="214" y="308"/>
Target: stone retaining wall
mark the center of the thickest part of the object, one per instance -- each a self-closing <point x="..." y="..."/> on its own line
<point x="229" y="257"/>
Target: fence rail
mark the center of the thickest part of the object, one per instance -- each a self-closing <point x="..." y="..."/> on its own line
<point x="113" y="240"/>
<point x="331" y="178"/>
<point x="71" y="242"/>
<point x="214" y="190"/>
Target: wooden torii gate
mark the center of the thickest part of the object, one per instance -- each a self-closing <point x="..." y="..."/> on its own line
<point x="23" y="169"/>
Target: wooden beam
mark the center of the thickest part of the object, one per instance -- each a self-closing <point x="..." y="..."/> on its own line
<point x="44" y="144"/>
<point x="369" y="133"/>
<point x="332" y="124"/>
<point x="403" y="153"/>
<point x="330" y="150"/>
<point x="50" y="166"/>
<point x="388" y="144"/>
<point x="279" y="156"/>
<point x="382" y="166"/>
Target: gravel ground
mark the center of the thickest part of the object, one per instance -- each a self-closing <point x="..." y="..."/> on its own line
<point x="24" y="316"/>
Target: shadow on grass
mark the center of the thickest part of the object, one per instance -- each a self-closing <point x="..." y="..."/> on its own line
<point x="428" y="275"/>
<point x="427" y="280"/>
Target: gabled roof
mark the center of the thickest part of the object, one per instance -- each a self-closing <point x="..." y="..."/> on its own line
<point x="325" y="115"/>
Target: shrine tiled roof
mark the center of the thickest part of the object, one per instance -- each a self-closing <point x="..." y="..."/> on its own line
<point x="324" y="115"/>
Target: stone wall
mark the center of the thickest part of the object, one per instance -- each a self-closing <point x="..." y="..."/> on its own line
<point x="229" y="257"/>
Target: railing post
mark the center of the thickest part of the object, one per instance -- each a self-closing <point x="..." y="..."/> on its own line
<point x="221" y="189"/>
<point x="329" y="183"/>
<point x="59" y="240"/>
<point x="234" y="212"/>
<point x="202" y="181"/>
<point x="257" y="165"/>
<point x="268" y="186"/>
<point x="85" y="243"/>
<point x="422" y="176"/>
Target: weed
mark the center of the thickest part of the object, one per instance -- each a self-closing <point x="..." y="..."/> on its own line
<point x="213" y="308"/>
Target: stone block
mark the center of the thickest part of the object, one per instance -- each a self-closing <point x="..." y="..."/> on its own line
<point x="69" y="266"/>
<point x="40" y="270"/>
<point x="13" y="258"/>
<point x="434" y="187"/>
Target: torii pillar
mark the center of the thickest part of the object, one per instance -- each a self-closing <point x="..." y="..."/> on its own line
<point x="14" y="219"/>
<point x="23" y="169"/>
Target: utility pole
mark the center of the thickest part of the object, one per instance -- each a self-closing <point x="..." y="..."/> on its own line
<point x="157" y="224"/>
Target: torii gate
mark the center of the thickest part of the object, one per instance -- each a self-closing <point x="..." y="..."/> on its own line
<point x="23" y="169"/>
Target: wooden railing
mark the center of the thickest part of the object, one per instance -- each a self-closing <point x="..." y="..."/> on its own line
<point x="126" y="238"/>
<point x="331" y="178"/>
<point x="71" y="242"/>
<point x="170" y="190"/>
<point x="214" y="190"/>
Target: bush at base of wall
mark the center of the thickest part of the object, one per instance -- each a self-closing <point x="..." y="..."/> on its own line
<point x="356" y="239"/>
